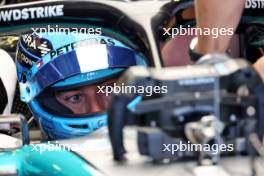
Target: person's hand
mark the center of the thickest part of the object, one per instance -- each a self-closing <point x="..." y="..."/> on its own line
<point x="224" y="14"/>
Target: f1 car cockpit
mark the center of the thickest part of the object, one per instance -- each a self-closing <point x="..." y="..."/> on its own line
<point x="181" y="117"/>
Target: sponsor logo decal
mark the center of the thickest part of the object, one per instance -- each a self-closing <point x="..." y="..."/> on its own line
<point x="25" y="60"/>
<point x="37" y="46"/>
<point x="72" y="46"/>
<point x="254" y="4"/>
<point x="31" y="13"/>
<point x="44" y="48"/>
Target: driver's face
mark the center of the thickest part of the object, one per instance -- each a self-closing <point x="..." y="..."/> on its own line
<point x="85" y="100"/>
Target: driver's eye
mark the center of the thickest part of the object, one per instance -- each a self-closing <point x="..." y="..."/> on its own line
<point x="74" y="99"/>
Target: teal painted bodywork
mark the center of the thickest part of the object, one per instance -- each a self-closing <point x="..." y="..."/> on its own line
<point x="28" y="161"/>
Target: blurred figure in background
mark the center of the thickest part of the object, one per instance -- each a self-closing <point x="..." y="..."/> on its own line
<point x="220" y="14"/>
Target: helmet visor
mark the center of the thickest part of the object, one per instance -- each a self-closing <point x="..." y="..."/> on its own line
<point x="79" y="61"/>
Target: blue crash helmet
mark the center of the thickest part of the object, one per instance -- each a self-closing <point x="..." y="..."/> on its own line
<point x="51" y="63"/>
